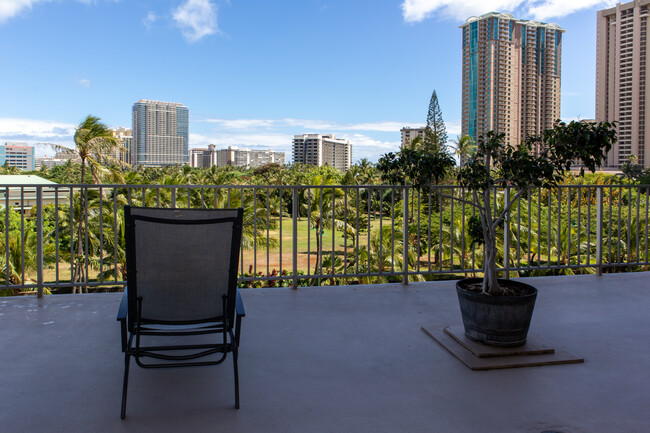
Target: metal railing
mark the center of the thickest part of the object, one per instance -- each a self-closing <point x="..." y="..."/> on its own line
<point x="71" y="236"/>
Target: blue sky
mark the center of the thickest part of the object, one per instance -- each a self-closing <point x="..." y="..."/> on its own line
<point x="255" y="72"/>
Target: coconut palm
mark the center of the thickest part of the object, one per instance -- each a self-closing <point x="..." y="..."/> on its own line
<point x="95" y="145"/>
<point x="464" y="147"/>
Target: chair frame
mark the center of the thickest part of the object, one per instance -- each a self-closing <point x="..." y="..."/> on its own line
<point x="133" y="326"/>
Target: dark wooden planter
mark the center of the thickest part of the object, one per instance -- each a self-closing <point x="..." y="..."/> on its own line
<point x="496" y="320"/>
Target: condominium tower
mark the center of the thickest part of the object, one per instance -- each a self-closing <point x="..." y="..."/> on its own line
<point x="321" y="149"/>
<point x="511" y="76"/>
<point x="621" y="77"/>
<point x="160" y="133"/>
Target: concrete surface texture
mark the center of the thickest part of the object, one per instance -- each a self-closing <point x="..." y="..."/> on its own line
<point x="336" y="359"/>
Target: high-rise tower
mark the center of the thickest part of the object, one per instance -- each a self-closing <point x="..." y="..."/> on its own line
<point x="621" y="77"/>
<point x="160" y="133"/>
<point x="511" y="76"/>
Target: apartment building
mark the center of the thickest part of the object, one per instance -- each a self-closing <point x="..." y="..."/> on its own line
<point x="321" y="149"/>
<point x="203" y="157"/>
<point x="160" y="133"/>
<point x="251" y="158"/>
<point x="511" y="76"/>
<point x="408" y="134"/>
<point x="621" y="76"/>
<point x="234" y="156"/>
<point x="17" y="154"/>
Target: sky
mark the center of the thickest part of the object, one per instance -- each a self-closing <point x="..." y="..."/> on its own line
<point x="253" y="73"/>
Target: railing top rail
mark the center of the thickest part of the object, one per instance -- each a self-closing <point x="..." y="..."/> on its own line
<point x="240" y="186"/>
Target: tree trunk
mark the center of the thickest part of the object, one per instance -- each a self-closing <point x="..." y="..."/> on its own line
<point x="490" y="283"/>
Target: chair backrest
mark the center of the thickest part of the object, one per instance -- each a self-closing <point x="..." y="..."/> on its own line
<point x="182" y="262"/>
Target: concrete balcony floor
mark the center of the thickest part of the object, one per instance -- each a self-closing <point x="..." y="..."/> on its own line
<point x="336" y="359"/>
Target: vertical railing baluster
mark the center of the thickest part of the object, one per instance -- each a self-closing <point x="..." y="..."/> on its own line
<point x="101" y="235"/>
<point x="392" y="232"/>
<point x="56" y="235"/>
<point x="116" y="228"/>
<point x="22" y="234"/>
<point x="345" y="231"/>
<point x="72" y="241"/>
<point x="333" y="229"/>
<point x="451" y="229"/>
<point x="569" y="226"/>
<point x="7" y="229"/>
<point x="429" y="240"/>
<point x="588" y="226"/>
<point x="268" y="231"/>
<point x="39" y="241"/>
<point x="281" y="193"/>
<point x="638" y="226"/>
<point x="381" y="232"/>
<point x="417" y="232"/>
<point x="506" y="233"/>
<point x="405" y="237"/>
<point x="599" y="230"/>
<point x="294" y="218"/>
<point x="254" y="231"/>
<point x="86" y="239"/>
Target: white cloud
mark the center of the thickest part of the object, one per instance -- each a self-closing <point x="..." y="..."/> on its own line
<point x="559" y="8"/>
<point x="309" y="125"/>
<point x="11" y="8"/>
<point x="37" y="131"/>
<point x="149" y="20"/>
<point x="369" y="139"/>
<point x="418" y="10"/>
<point x="271" y="140"/>
<point x="84" y="82"/>
<point x="243" y="123"/>
<point x="196" y="19"/>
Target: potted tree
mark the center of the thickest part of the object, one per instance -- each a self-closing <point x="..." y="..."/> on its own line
<point x="498" y="311"/>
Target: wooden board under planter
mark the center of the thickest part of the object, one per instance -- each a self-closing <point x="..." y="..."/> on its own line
<point x="476" y="356"/>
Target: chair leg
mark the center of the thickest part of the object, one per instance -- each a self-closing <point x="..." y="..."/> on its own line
<point x="127" y="359"/>
<point x="234" y="361"/>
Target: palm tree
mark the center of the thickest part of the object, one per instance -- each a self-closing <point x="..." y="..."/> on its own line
<point x="95" y="145"/>
<point x="465" y="146"/>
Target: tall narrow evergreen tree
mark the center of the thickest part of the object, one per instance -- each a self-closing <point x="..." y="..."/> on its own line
<point x="435" y="134"/>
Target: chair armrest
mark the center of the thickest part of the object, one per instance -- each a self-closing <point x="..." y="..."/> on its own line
<point x="239" y="306"/>
<point x="124" y="303"/>
<point x="121" y="317"/>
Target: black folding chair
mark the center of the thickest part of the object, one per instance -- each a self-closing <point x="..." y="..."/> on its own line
<point x="181" y="287"/>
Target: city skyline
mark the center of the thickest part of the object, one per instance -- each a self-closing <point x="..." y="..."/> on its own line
<point x="254" y="82"/>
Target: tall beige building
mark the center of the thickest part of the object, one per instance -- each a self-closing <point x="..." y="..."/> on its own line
<point x="621" y="77"/>
<point x="511" y="76"/>
<point x="320" y="149"/>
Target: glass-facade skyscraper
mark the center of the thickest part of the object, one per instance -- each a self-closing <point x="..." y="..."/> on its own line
<point x="160" y="133"/>
<point x="511" y="76"/>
